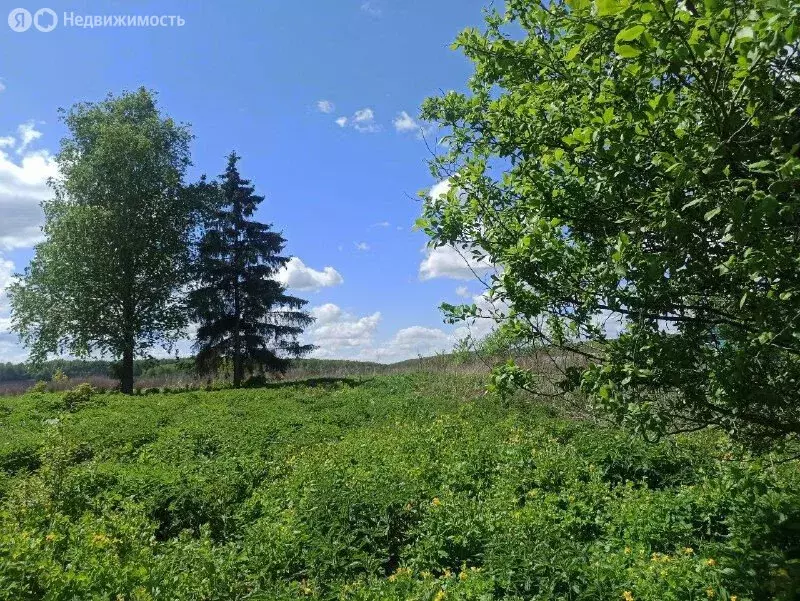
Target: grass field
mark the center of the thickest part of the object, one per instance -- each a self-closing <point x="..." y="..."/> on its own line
<point x="406" y="486"/>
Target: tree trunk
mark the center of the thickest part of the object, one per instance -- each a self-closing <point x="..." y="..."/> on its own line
<point x="237" y="356"/>
<point x="237" y="371"/>
<point x="126" y="373"/>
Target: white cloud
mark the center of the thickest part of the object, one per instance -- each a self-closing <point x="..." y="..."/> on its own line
<point x="411" y="342"/>
<point x="27" y="134"/>
<point x="381" y="224"/>
<point x="325" y="106"/>
<point x="490" y="312"/>
<point x="463" y="291"/>
<point x="447" y="262"/>
<point x="23" y="186"/>
<point x="371" y="8"/>
<point x="2" y="87"/>
<point x="362" y="246"/>
<point x="298" y="276"/>
<point x="364" y="121"/>
<point x="404" y="123"/>
<point x="10" y="348"/>
<point x="340" y="334"/>
<point x="364" y="115"/>
<point x="440" y="190"/>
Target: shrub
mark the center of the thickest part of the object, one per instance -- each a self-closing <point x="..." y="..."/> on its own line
<point x="77" y="397"/>
<point x="40" y="386"/>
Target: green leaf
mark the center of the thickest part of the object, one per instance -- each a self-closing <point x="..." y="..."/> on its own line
<point x="712" y="213"/>
<point x="760" y="166"/>
<point x="579" y="5"/>
<point x="626" y="51"/>
<point x="630" y="34"/>
<point x="574" y="51"/>
<point x="610" y="7"/>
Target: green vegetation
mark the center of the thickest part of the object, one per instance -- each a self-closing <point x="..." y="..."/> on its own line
<point x="132" y="253"/>
<point x="394" y="487"/>
<point x="613" y="159"/>
<point x="107" y="278"/>
<point x="638" y="160"/>
<point x="243" y="313"/>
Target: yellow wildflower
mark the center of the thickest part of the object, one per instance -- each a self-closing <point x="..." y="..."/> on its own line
<point x="436" y="502"/>
<point x="711" y="562"/>
<point x="100" y="540"/>
<point x="628" y="550"/>
<point x="426" y="574"/>
<point x="627" y="596"/>
<point x="305" y="589"/>
<point x="710" y="593"/>
<point x="462" y="576"/>
<point x="392" y="578"/>
<point x="734" y="598"/>
<point x="447" y="573"/>
<point x="50" y="537"/>
<point x="688" y="550"/>
<point x="439" y="596"/>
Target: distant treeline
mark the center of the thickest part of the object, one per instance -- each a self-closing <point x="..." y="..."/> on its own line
<point x="10" y="372"/>
<point x="153" y="368"/>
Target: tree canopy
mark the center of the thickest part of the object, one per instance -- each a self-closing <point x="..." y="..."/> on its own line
<point x="245" y="316"/>
<point x="108" y="277"/>
<point x="638" y="160"/>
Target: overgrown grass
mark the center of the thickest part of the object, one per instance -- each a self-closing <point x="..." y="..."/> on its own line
<point x="410" y="486"/>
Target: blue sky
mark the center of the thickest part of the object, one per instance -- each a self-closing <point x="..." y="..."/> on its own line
<point x="269" y="79"/>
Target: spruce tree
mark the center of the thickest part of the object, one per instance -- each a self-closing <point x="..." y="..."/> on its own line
<point x="244" y="315"/>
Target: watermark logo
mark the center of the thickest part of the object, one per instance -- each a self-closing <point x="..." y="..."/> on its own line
<point x="20" y="20"/>
<point x="46" y="20"/>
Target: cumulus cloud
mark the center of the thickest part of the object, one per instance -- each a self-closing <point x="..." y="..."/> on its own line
<point x="299" y="276"/>
<point x="405" y="123"/>
<point x="27" y="134"/>
<point x="341" y="121"/>
<point x="440" y="190"/>
<point x="325" y="106"/>
<point x="411" y="342"/>
<point x="362" y="246"/>
<point x="10" y="348"/>
<point x="462" y="291"/>
<point x="339" y="334"/>
<point x="23" y="186"/>
<point x="490" y="313"/>
<point x="448" y="262"/>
